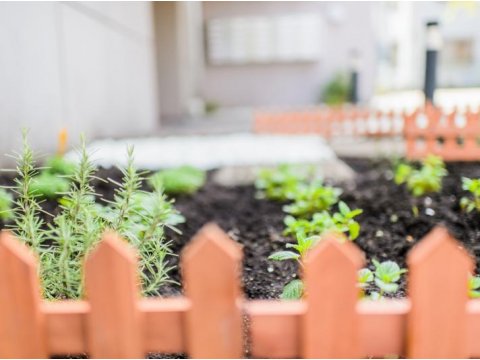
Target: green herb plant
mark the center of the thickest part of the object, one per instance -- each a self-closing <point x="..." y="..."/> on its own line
<point x="473" y="187"/>
<point x="280" y="183"/>
<point x="422" y="180"/>
<point x="307" y="235"/>
<point x="63" y="243"/>
<point x="384" y="279"/>
<point x="181" y="180"/>
<point x="48" y="186"/>
<point x="312" y="198"/>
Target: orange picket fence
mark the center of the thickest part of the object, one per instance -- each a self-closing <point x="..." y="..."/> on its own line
<point x="437" y="320"/>
<point x="453" y="136"/>
<point x="330" y="122"/>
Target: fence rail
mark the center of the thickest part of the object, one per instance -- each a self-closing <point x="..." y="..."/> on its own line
<point x="454" y="135"/>
<point x="437" y="320"/>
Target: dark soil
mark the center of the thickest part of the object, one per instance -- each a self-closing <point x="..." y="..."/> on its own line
<point x="388" y="228"/>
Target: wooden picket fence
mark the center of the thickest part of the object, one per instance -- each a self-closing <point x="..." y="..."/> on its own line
<point x="437" y="320"/>
<point x="455" y="136"/>
<point x="330" y="122"/>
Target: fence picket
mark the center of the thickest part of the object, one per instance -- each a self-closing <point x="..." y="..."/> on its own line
<point x="21" y="321"/>
<point x="211" y="267"/>
<point x="114" y="323"/>
<point x="438" y="280"/>
<point x="330" y="324"/>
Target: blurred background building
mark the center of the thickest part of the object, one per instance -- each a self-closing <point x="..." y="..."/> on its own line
<point x="137" y="68"/>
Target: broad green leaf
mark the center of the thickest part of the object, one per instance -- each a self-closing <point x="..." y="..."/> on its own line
<point x="354" y="229"/>
<point x="344" y="209"/>
<point x="386" y="287"/>
<point x="365" y="276"/>
<point x="474" y="283"/>
<point x="293" y="290"/>
<point x="283" y="255"/>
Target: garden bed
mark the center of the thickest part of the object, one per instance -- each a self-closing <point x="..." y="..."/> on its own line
<point x="388" y="228"/>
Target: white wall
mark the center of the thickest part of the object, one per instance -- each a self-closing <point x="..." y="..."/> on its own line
<point x="88" y="66"/>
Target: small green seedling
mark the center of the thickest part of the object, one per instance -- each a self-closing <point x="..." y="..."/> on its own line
<point x="312" y="198"/>
<point x="472" y="186"/>
<point x="48" y="186"/>
<point x="426" y="179"/>
<point x="6" y="204"/>
<point x="181" y="180"/>
<point x="59" y="165"/>
<point x="280" y="184"/>
<point x="340" y="222"/>
<point x="474" y="287"/>
<point x="386" y="276"/>
<point x="307" y="235"/>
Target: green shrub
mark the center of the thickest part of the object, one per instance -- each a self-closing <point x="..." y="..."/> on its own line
<point x="48" y="186"/>
<point x="425" y="179"/>
<point x="181" y="180"/>
<point x="6" y="203"/>
<point x="336" y="91"/>
<point x="385" y="278"/>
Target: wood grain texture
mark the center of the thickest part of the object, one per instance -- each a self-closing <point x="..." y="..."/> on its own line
<point x="211" y="267"/>
<point x="438" y="283"/>
<point x="22" y="323"/>
<point x="330" y="325"/>
<point x="114" y="326"/>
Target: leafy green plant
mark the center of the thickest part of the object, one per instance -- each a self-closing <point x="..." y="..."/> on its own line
<point x="181" y="180"/>
<point x="336" y="91"/>
<point x="280" y="183"/>
<point x="472" y="186"/>
<point x="59" y="165"/>
<point x="474" y="287"/>
<point x="311" y="198"/>
<point x="62" y="244"/>
<point x="385" y="278"/>
<point x="48" y="186"/>
<point x="340" y="222"/>
<point x="307" y="235"/>
<point x="423" y="180"/>
<point x="6" y="203"/>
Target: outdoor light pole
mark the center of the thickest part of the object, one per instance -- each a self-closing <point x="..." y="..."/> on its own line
<point x="354" y="59"/>
<point x="433" y="44"/>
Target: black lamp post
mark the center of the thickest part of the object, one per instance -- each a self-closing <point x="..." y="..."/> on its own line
<point x="354" y="67"/>
<point x="433" y="45"/>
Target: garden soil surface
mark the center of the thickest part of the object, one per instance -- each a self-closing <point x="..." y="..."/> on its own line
<point x="388" y="227"/>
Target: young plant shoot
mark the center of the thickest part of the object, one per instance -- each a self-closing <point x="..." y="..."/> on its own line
<point x="308" y="233"/>
<point x="471" y="203"/>
<point x="279" y="184"/>
<point x="384" y="279"/>
<point x="181" y="180"/>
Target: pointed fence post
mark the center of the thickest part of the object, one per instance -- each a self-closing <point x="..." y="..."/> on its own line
<point x="438" y="283"/>
<point x="114" y="323"/>
<point x="22" y="324"/>
<point x="330" y="325"/>
<point x="211" y="267"/>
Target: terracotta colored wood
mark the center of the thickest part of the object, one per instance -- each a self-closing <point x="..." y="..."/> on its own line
<point x="438" y="280"/>
<point x="66" y="326"/>
<point x="211" y="267"/>
<point x="21" y="320"/>
<point x="163" y="328"/>
<point x="271" y="321"/>
<point x="382" y="327"/>
<point x="473" y="328"/>
<point x="114" y="323"/>
<point x="331" y="326"/>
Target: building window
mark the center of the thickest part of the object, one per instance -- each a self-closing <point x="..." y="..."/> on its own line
<point x="258" y="39"/>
